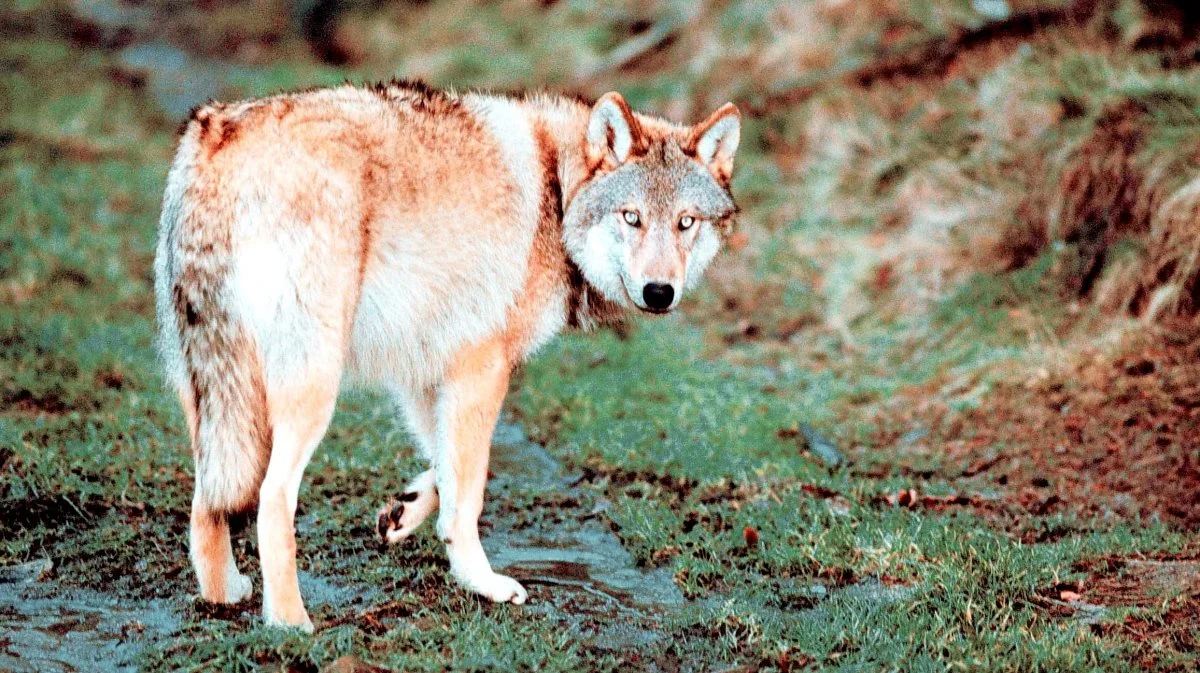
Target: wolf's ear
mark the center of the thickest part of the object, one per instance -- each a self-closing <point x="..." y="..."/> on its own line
<point x="613" y="132"/>
<point x="715" y="140"/>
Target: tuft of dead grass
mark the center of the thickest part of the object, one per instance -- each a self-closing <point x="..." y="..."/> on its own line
<point x="1127" y="207"/>
<point x="1170" y="279"/>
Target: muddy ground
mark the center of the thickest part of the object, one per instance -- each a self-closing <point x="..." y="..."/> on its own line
<point x="583" y="584"/>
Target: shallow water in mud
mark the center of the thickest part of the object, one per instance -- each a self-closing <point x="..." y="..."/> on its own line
<point x="48" y="629"/>
<point x="582" y="552"/>
<point x="176" y="80"/>
<point x="576" y="569"/>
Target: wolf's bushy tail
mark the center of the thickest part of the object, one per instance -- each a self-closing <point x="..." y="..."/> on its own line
<point x="213" y="358"/>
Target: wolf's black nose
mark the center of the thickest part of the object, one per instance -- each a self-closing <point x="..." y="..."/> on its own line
<point x="658" y="296"/>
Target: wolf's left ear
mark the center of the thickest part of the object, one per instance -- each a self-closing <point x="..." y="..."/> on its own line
<point x="613" y="132"/>
<point x="715" y="140"/>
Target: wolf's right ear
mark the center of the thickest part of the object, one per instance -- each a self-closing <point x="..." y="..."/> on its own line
<point x="613" y="132"/>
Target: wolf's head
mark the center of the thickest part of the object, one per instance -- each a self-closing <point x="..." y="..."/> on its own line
<point x="656" y="206"/>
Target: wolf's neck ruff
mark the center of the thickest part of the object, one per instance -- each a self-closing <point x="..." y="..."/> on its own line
<point x="564" y="163"/>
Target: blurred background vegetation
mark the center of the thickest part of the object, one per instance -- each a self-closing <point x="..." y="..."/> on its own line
<point x="968" y="270"/>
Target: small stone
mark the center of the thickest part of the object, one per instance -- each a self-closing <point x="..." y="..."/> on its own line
<point x="913" y="436"/>
<point x="996" y="10"/>
<point x="820" y="446"/>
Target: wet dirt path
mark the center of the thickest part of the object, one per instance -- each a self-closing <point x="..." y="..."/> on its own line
<point x="578" y="574"/>
<point x="45" y="628"/>
<point x="576" y="569"/>
<point x="540" y="526"/>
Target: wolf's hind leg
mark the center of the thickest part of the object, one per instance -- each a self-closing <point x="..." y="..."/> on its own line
<point x="300" y="416"/>
<point x="468" y="405"/>
<point x="212" y="556"/>
<point x="208" y="536"/>
<point x="420" y="415"/>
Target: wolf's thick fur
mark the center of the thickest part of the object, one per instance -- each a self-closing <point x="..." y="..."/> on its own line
<point x="418" y="240"/>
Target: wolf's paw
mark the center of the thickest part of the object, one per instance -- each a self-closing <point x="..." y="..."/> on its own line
<point x="499" y="588"/>
<point x="300" y="623"/>
<point x="400" y="517"/>
<point x="389" y="526"/>
<point x="239" y="589"/>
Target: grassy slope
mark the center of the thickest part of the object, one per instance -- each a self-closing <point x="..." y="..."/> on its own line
<point x="685" y="427"/>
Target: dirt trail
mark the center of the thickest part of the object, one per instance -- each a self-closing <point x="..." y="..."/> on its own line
<point x="575" y="567"/>
<point x="581" y="576"/>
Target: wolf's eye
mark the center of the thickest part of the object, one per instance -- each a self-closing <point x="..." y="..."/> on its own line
<point x="631" y="218"/>
<point x="686" y="222"/>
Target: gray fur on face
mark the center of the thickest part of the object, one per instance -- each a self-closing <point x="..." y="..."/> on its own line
<point x="661" y="185"/>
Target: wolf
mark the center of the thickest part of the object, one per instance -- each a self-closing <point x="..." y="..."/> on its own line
<point x="421" y="241"/>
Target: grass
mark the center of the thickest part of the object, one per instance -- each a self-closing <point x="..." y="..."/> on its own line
<point x="836" y="315"/>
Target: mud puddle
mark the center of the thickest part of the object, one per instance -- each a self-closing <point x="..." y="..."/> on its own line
<point x="579" y="574"/>
<point x="575" y="568"/>
<point x="48" y="629"/>
<point x="177" y="81"/>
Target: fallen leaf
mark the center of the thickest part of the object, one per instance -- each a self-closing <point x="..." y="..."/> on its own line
<point x="751" y="536"/>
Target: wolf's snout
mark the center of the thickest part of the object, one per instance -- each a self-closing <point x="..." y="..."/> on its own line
<point x="658" y="296"/>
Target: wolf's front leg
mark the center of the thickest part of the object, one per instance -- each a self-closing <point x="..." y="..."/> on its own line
<point x="467" y="408"/>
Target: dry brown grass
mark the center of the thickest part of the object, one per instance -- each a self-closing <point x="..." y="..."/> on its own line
<point x="1129" y="210"/>
<point x="1094" y="156"/>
